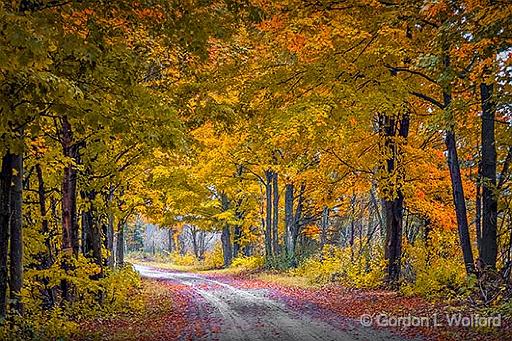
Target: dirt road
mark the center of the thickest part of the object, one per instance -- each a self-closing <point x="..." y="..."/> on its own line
<point x="232" y="312"/>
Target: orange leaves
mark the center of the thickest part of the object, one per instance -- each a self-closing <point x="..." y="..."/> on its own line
<point x="275" y="23"/>
<point x="296" y="42"/>
<point x="150" y="14"/>
<point x="434" y="9"/>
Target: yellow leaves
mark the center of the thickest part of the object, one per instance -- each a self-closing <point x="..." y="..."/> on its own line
<point x="229" y="97"/>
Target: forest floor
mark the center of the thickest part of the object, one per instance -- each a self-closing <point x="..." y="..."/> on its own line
<point x="182" y="305"/>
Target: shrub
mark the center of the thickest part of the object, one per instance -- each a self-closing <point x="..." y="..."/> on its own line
<point x="114" y="292"/>
<point x="249" y="263"/>
<point x="183" y="260"/>
<point x="214" y="259"/>
<point x="435" y="269"/>
<point x="336" y="264"/>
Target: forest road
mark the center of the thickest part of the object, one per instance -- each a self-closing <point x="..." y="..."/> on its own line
<point x="247" y="314"/>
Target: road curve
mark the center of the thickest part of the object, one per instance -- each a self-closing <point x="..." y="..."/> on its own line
<point x="251" y="314"/>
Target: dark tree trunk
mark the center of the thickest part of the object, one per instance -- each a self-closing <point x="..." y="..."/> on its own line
<point x="393" y="211"/>
<point x="275" y="211"/>
<point x="352" y="226"/>
<point x="458" y="201"/>
<point x="45" y="227"/>
<point x="288" y="216"/>
<point x="16" y="238"/>
<point x="109" y="240"/>
<point x="237" y="235"/>
<point x="226" y="245"/>
<point x="488" y="248"/>
<point x="70" y="242"/>
<point x="237" y="230"/>
<point x="109" y="233"/>
<point x="5" y="214"/>
<point x="392" y="203"/>
<point x="296" y="223"/>
<point x="47" y="258"/>
<point x="91" y="234"/>
<point x="87" y="223"/>
<point x="324" y="226"/>
<point x="478" y="213"/>
<point x="120" y="243"/>
<point x="227" y="248"/>
<point x="458" y="191"/>
<point x="96" y="239"/>
<point x="268" y="220"/>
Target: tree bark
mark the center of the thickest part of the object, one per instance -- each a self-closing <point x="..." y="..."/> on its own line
<point x="296" y="224"/>
<point x="237" y="235"/>
<point x="393" y="128"/>
<point x="324" y="226"/>
<point x="226" y="245"/>
<point x="109" y="240"/>
<point x="488" y="247"/>
<point x="45" y="228"/>
<point x="459" y="202"/>
<point x="5" y="213"/>
<point x="478" y="213"/>
<point x="458" y="191"/>
<point x="69" y="218"/>
<point x="120" y="243"/>
<point x="288" y="216"/>
<point x="268" y="220"/>
<point x="16" y="238"/>
<point x="275" y="211"/>
<point x="227" y="248"/>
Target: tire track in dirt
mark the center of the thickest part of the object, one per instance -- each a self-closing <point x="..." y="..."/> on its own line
<point x="251" y="314"/>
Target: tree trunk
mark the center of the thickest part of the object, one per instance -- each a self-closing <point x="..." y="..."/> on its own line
<point x="458" y="191"/>
<point x="288" y="216"/>
<point x="91" y="234"/>
<point x="237" y="235"/>
<point x="48" y="257"/>
<point x="120" y="244"/>
<point x="268" y="220"/>
<point x="109" y="235"/>
<point x="70" y="242"/>
<point x="478" y="213"/>
<point x="227" y="249"/>
<point x="275" y="211"/>
<point x="324" y="226"/>
<point x="109" y="240"/>
<point x="458" y="201"/>
<point x="5" y="213"/>
<point x="393" y="128"/>
<point x="226" y="245"/>
<point x="393" y="211"/>
<point x="352" y="226"/>
<point x="96" y="239"/>
<point x="45" y="228"/>
<point x="296" y="224"/>
<point x="193" y="235"/>
<point x="16" y="244"/>
<point x="489" y="248"/>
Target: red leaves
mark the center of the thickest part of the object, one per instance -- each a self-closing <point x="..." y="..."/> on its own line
<point x="177" y="311"/>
